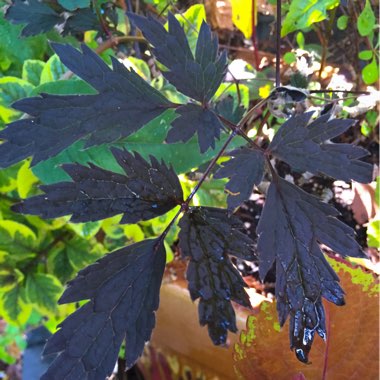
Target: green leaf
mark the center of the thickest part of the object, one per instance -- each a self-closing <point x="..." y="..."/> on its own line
<point x="14" y="51"/>
<point x="25" y="180"/>
<point x="289" y="57"/>
<point x="70" y="256"/>
<point x="43" y="290"/>
<point x="74" y="4"/>
<point x="140" y="66"/>
<point x="31" y="71"/>
<point x="12" y="89"/>
<point x="226" y="89"/>
<point x="300" y="38"/>
<point x="86" y="230"/>
<point x="64" y="87"/>
<point x="17" y="239"/>
<point x="303" y="13"/>
<point x="377" y="190"/>
<point x="342" y="22"/>
<point x="53" y="70"/>
<point x="8" y="181"/>
<point x="366" y="55"/>
<point x="80" y="253"/>
<point x="370" y="72"/>
<point x="59" y="264"/>
<point x="191" y="22"/>
<point x="13" y="306"/>
<point x="373" y="233"/>
<point x="148" y="141"/>
<point x="9" y="277"/>
<point x="134" y="232"/>
<point x="366" y="20"/>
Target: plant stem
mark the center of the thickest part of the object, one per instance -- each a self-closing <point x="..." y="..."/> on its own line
<point x="236" y="129"/>
<point x="100" y="18"/>
<point x="185" y="204"/>
<point x="278" y="43"/>
<point x="210" y="166"/>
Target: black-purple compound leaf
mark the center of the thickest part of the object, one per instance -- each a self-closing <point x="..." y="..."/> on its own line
<point x="198" y="77"/>
<point x="307" y="147"/>
<point x="208" y="235"/>
<point x="245" y="170"/>
<point x="81" y="20"/>
<point x="124" y="104"/>
<point x="195" y="120"/>
<point x="38" y="16"/>
<point x="146" y="191"/>
<point x="292" y="225"/>
<point x="123" y="288"/>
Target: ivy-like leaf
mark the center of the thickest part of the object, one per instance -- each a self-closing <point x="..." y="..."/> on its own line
<point x="124" y="104"/>
<point x="306" y="147"/>
<point x="17" y="239"/>
<point x="146" y="191"/>
<point x="38" y="16"/>
<point x="208" y="235"/>
<point x="291" y="226"/>
<point x="43" y="290"/>
<point x="245" y="170"/>
<point x="195" y="119"/>
<point x="123" y="288"/>
<point x="197" y="77"/>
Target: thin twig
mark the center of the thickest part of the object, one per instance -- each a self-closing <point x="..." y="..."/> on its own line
<point x="185" y="204"/>
<point x="278" y="43"/>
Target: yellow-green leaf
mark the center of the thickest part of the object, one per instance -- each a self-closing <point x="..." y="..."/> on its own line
<point x="25" y="180"/>
<point x="303" y="13"/>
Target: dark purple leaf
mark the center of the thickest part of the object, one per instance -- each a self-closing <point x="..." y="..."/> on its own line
<point x="195" y="120"/>
<point x="208" y="235"/>
<point x="123" y="288"/>
<point x="229" y="111"/>
<point x="292" y="225"/>
<point x="307" y="147"/>
<point x="198" y="77"/>
<point x="124" y="104"/>
<point x="245" y="170"/>
<point x="81" y="20"/>
<point x="38" y="16"/>
<point x="146" y="191"/>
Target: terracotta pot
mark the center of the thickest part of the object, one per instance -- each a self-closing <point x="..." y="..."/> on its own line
<point x="181" y="349"/>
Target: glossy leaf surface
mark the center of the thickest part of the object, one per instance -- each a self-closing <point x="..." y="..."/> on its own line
<point x="123" y="288"/>
<point x="307" y="147"/>
<point x="291" y="226"/>
<point x="124" y="103"/>
<point x="244" y="170"/>
<point x="207" y="237"/>
<point x="144" y="192"/>
<point x="197" y="76"/>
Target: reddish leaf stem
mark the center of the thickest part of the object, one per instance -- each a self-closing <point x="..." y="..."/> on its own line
<point x="278" y="43"/>
<point x="236" y="129"/>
